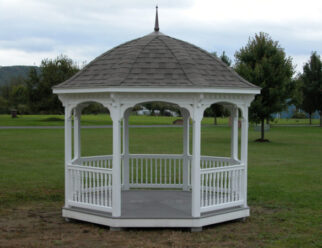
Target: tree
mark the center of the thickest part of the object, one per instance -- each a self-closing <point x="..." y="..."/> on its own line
<point x="52" y="72"/>
<point x="296" y="92"/>
<point x="17" y="95"/>
<point x="225" y="59"/>
<point x="218" y="109"/>
<point x="264" y="63"/>
<point x="32" y="84"/>
<point x="312" y="86"/>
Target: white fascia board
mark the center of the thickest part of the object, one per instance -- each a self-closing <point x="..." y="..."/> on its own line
<point x="158" y="90"/>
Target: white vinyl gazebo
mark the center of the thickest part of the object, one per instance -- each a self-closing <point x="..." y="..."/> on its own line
<point x="156" y="190"/>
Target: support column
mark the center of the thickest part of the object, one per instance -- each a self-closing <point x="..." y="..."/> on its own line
<point x="234" y="133"/>
<point x="195" y="170"/>
<point x="68" y="149"/>
<point x="116" y="170"/>
<point x="244" y="150"/>
<point x="77" y="137"/>
<point x="185" y="165"/>
<point x="126" y="169"/>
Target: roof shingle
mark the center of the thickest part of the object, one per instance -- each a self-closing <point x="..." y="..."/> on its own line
<point x="156" y="60"/>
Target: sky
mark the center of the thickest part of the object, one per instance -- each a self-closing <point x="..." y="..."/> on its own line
<point x="32" y="30"/>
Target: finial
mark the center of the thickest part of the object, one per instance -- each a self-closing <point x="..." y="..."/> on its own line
<point x="156" y="25"/>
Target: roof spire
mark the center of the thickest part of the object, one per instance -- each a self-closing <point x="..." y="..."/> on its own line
<point x="156" y="25"/>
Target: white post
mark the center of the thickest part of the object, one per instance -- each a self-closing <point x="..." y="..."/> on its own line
<point x="185" y="174"/>
<point x="116" y="170"/>
<point x="234" y="133"/>
<point x="195" y="170"/>
<point x="244" y="149"/>
<point x="126" y="179"/>
<point x="68" y="149"/>
<point x="77" y="137"/>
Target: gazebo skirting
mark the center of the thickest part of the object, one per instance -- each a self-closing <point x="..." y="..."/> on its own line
<point x="156" y="190"/>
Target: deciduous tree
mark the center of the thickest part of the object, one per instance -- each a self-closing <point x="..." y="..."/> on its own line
<point x="312" y="86"/>
<point x="264" y="63"/>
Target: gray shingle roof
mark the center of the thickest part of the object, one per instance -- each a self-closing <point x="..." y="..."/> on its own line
<point x="156" y="60"/>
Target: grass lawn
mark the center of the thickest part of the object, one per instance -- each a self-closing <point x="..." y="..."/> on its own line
<point x="284" y="191"/>
<point x="101" y="119"/>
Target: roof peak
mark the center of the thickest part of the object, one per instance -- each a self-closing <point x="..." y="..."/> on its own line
<point x="156" y="24"/>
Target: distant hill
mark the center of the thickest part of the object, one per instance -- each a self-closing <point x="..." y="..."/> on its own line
<point x="8" y="72"/>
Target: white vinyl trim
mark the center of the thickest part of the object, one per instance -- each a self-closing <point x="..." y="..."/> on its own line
<point x="158" y="90"/>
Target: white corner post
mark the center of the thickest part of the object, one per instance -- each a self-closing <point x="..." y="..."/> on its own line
<point x="195" y="170"/>
<point x="68" y="148"/>
<point x="126" y="169"/>
<point x="186" y="164"/>
<point x="234" y="132"/>
<point x="116" y="169"/>
<point x="244" y="149"/>
<point x="77" y="137"/>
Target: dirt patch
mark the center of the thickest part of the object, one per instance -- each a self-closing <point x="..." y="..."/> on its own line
<point x="43" y="226"/>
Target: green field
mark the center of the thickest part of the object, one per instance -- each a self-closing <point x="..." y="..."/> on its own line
<point x="101" y="119"/>
<point x="284" y="191"/>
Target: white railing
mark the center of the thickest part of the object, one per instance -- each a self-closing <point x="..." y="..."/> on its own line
<point x="221" y="179"/>
<point x="96" y="161"/>
<point x="90" y="183"/>
<point x="215" y="162"/>
<point x="221" y="184"/>
<point x="157" y="170"/>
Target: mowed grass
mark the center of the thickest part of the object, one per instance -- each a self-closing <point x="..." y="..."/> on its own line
<point x="100" y="119"/>
<point x="284" y="180"/>
<point x="104" y="119"/>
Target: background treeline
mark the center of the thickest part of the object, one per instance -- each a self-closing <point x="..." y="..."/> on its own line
<point x="262" y="61"/>
<point x="33" y="94"/>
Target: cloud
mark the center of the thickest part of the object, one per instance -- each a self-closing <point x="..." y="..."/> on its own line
<point x="34" y="29"/>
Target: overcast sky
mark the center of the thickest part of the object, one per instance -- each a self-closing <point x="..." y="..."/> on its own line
<point x="31" y="30"/>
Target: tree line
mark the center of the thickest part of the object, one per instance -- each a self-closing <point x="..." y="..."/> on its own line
<point x="262" y="61"/>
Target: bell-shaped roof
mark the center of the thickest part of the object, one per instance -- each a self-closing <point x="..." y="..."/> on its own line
<point x="156" y="61"/>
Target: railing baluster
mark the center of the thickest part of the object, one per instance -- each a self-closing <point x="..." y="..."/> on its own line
<point x="234" y="187"/>
<point x="202" y="190"/>
<point x="155" y="174"/>
<point x="78" y="186"/>
<point x="151" y="170"/>
<point x="170" y="174"/>
<point x="174" y="171"/>
<point x="160" y="170"/>
<point x="105" y="189"/>
<point x="110" y="189"/>
<point x="221" y="187"/>
<point x="100" y="188"/>
<point x="94" y="188"/>
<point x="213" y="188"/>
<point x="230" y="186"/>
<point x="178" y="170"/>
<point x="131" y="170"/>
<point x="165" y="170"/>
<point x="85" y="186"/>
<point x="206" y="203"/>
<point x="141" y="168"/>
<point x="137" y="171"/>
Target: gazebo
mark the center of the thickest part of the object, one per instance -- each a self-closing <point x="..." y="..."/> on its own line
<point x="156" y="190"/>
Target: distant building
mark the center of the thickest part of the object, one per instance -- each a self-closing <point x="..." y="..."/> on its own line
<point x="290" y="111"/>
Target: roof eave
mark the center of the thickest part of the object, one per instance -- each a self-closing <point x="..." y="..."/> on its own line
<point x="253" y="91"/>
